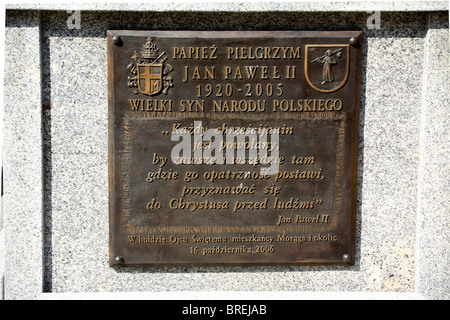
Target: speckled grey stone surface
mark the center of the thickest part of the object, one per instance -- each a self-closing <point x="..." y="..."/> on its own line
<point x="395" y="71"/>
<point x="433" y="219"/>
<point x="2" y="255"/>
<point x="245" y="6"/>
<point x="22" y="159"/>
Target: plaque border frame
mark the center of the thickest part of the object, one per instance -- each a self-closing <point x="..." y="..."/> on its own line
<point x="347" y="259"/>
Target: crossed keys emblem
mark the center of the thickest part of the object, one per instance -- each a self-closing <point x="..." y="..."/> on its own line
<point x="150" y="73"/>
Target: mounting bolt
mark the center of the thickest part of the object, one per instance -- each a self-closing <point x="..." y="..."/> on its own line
<point x="119" y="259"/>
<point x="353" y="41"/>
<point x="347" y="257"/>
<point x="117" y="41"/>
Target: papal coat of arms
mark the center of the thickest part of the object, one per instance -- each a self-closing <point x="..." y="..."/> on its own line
<point x="327" y="66"/>
<point x="150" y="75"/>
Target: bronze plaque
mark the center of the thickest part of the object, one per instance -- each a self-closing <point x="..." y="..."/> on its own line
<point x="233" y="147"/>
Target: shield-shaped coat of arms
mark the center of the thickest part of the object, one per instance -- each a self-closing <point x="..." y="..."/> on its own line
<point x="150" y="78"/>
<point x="327" y="66"/>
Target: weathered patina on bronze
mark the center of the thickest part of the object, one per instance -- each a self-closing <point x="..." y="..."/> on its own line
<point x="295" y="93"/>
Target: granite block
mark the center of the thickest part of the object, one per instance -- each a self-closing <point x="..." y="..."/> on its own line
<point x="62" y="170"/>
<point x="79" y="212"/>
<point x="433" y="221"/>
<point x="245" y="6"/>
<point x="22" y="164"/>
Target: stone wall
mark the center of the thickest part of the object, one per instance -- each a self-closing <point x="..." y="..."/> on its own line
<point x="56" y="154"/>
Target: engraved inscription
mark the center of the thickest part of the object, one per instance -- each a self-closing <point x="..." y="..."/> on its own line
<point x="231" y="148"/>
